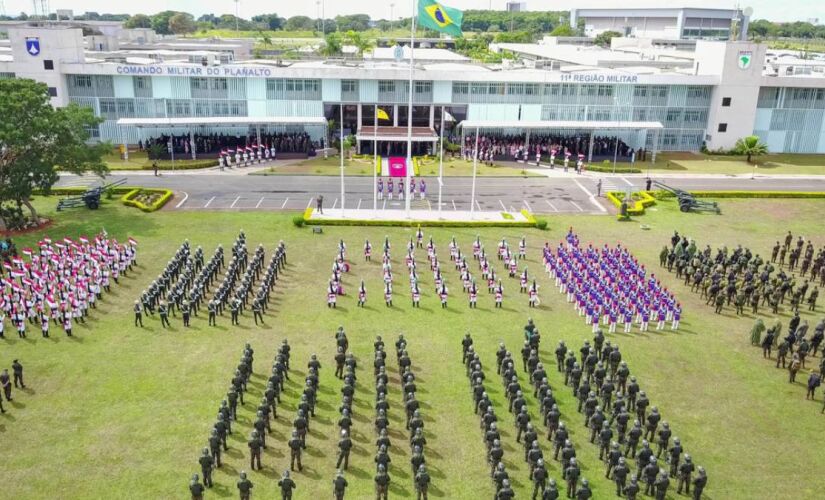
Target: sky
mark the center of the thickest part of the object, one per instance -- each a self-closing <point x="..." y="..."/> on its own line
<point x="774" y="10"/>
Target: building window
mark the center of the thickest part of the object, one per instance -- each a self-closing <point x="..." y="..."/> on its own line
<point x="386" y="86"/>
<point x="349" y="86"/>
<point x="461" y="88"/>
<point x="48" y="64"/>
<point x="726" y="102"/>
<point x="52" y="91"/>
<point x="723" y="127"/>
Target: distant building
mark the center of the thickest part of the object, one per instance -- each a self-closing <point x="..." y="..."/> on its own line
<point x="516" y="6"/>
<point x="673" y="23"/>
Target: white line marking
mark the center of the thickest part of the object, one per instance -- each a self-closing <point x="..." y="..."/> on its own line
<point x="575" y="205"/>
<point x="234" y="202"/>
<point x="309" y="202"/>
<point x="626" y="181"/>
<point x="259" y="202"/>
<point x="502" y="205"/>
<point x="384" y="205"/>
<point x="334" y="203"/>
<point x="478" y="205"/>
<point x="359" y="204"/>
<point x="590" y="196"/>
<point x="429" y="205"/>
<point x="552" y="206"/>
<point x="512" y="209"/>
<point x="186" y="197"/>
<point x="454" y="208"/>
<point x="209" y="202"/>
<point x="529" y="208"/>
<point x="284" y="204"/>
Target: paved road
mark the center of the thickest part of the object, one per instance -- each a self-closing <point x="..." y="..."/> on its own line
<point x="544" y="195"/>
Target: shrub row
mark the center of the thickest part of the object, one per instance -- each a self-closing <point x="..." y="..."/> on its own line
<point x="129" y="200"/>
<point x="609" y="169"/>
<point x="747" y="194"/>
<point x="182" y="165"/>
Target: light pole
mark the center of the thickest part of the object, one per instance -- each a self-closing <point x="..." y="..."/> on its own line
<point x="318" y="13"/>
<point x="392" y="5"/>
<point x="323" y="18"/>
<point x="237" y="30"/>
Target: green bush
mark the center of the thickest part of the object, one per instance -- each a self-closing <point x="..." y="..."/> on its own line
<point x="181" y="165"/>
<point x="147" y="199"/>
<point x="608" y="168"/>
<point x="298" y="220"/>
<point x="541" y="224"/>
<point x="747" y="194"/>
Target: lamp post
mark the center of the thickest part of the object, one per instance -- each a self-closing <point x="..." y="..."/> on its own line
<point x="392" y="26"/>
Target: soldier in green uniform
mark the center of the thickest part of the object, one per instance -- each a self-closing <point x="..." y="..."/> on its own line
<point x="339" y="486"/>
<point x="255" y="446"/>
<point x="584" y="492"/>
<point x="244" y="486"/>
<point x="300" y="425"/>
<point x="506" y="492"/>
<point x="344" y="447"/>
<point x="185" y="310"/>
<point x="215" y="447"/>
<point x="295" y="447"/>
<point x="422" y="482"/>
<point x="271" y="396"/>
<point x="756" y="332"/>
<point x="699" y="483"/>
<point x="260" y="429"/>
<point x="382" y="483"/>
<point x="620" y="472"/>
<point x="499" y="477"/>
<point x="662" y="483"/>
<point x="571" y="475"/>
<point x="340" y="357"/>
<point x="632" y="489"/>
<point x="539" y="477"/>
<point x="196" y="488"/>
<point x="552" y="491"/>
<point x="287" y="485"/>
<point x="222" y="429"/>
<point x="207" y="464"/>
<point x="234" y="308"/>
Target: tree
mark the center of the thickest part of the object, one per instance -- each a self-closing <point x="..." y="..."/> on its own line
<point x="563" y="30"/>
<point x="300" y="23"/>
<point x="160" y="22"/>
<point x="332" y="45"/>
<point x="361" y="42"/>
<point x="138" y="21"/>
<point x="272" y="21"/>
<point x="603" y="38"/>
<point x="181" y="23"/>
<point x="514" y="37"/>
<point x="36" y="137"/>
<point x="750" y="146"/>
<point x="354" y="22"/>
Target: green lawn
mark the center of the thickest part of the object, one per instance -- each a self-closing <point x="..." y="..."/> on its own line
<point x="453" y="167"/>
<point x="122" y="412"/>
<point x="687" y="163"/>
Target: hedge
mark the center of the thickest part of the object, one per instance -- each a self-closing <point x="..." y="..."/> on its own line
<point x="182" y="165"/>
<point x="637" y="207"/>
<point x="747" y="194"/>
<point x="609" y="170"/>
<point x="166" y="195"/>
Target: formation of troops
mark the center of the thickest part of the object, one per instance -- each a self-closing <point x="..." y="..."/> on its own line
<point x="610" y="287"/>
<point x="516" y="148"/>
<point x="298" y="142"/>
<point x="61" y="281"/>
<point x="745" y="280"/>
<point x="509" y="260"/>
<point x="184" y="284"/>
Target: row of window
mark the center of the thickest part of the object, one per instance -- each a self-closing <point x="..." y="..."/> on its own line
<point x="113" y="109"/>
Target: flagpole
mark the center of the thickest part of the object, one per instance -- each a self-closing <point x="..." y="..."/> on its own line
<point x="341" y="142"/>
<point x="475" y="166"/>
<point x="441" y="162"/>
<point x="375" y="160"/>
<point x="410" y="113"/>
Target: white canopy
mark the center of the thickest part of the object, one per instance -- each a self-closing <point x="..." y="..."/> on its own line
<point x="223" y="120"/>
<point x="561" y="124"/>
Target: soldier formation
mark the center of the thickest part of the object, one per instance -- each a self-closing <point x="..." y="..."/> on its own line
<point x="61" y="281"/>
<point x="471" y="286"/>
<point x="794" y="349"/>
<point x="610" y="286"/>
<point x="745" y="280"/>
<point x="185" y="284"/>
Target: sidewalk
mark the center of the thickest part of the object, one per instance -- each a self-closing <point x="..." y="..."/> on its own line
<point x="571" y="173"/>
<point x="265" y="165"/>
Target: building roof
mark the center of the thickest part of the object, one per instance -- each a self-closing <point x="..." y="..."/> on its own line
<point x="223" y="120"/>
<point x="560" y="124"/>
<point x="388" y="53"/>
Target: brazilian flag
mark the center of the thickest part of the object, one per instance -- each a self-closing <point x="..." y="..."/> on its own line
<point x="437" y="17"/>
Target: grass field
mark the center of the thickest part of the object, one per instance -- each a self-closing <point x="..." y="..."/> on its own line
<point x="787" y="164"/>
<point x="122" y="412"/>
<point x="453" y="167"/>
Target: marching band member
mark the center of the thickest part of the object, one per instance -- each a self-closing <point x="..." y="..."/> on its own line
<point x="534" y="295"/>
<point x="499" y="289"/>
<point x="388" y="294"/>
<point x="367" y="251"/>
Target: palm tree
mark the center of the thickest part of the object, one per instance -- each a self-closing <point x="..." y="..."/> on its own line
<point x="359" y="41"/>
<point x="331" y="46"/>
<point x="750" y="146"/>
